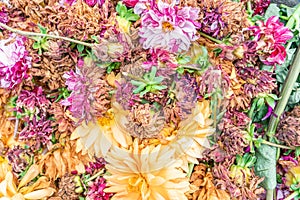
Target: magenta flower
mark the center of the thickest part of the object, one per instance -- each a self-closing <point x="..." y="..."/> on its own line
<point x="34" y="100"/>
<point x="96" y="190"/>
<point x="270" y="37"/>
<point x="14" y="62"/>
<point x="169" y="27"/>
<point x="260" y="6"/>
<point x="130" y="3"/>
<point x="92" y="3"/>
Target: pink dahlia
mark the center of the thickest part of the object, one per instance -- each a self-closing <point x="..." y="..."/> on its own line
<point x="270" y="37"/>
<point x="169" y="27"/>
<point x="14" y="62"/>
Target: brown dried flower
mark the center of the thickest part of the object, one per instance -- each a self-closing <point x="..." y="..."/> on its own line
<point x="66" y="188"/>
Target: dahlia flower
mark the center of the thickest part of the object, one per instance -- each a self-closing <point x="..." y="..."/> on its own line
<point x="96" y="138"/>
<point x="96" y="190"/>
<point x="260" y="6"/>
<point x="270" y="37"/>
<point x="168" y="27"/>
<point x="14" y="62"/>
<point x="150" y="173"/>
<point x="191" y="138"/>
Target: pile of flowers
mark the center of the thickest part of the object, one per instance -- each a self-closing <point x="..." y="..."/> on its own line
<point x="149" y="99"/>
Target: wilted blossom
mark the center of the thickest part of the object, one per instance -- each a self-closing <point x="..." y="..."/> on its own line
<point x="260" y="6"/>
<point x="68" y="2"/>
<point x="19" y="158"/>
<point x="212" y="23"/>
<point x="160" y="56"/>
<point x="14" y="62"/>
<point x="270" y="37"/>
<point x="83" y="83"/>
<point x="169" y="27"/>
<point x="94" y="166"/>
<point x="34" y="100"/>
<point x="125" y="96"/>
<point x="3" y="14"/>
<point x="95" y="190"/>
<point x="40" y="130"/>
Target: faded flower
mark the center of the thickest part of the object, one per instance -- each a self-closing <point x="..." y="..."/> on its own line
<point x="169" y="27"/>
<point x="14" y="62"/>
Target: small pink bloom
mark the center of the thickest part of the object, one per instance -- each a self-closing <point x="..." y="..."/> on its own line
<point x="92" y="3"/>
<point x="14" y="62"/>
<point x="270" y="37"/>
<point x="130" y="3"/>
<point x="169" y="27"/>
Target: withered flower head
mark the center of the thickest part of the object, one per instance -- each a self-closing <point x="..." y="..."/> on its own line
<point x="66" y="187"/>
<point x="19" y="158"/>
<point x="257" y="81"/>
<point x="144" y="122"/>
<point x="289" y="131"/>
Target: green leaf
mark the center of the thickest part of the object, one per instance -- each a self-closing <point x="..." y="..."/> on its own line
<point x="184" y="60"/>
<point x="80" y="48"/>
<point x="270" y="101"/>
<point x="121" y="9"/>
<point x="139" y="89"/>
<point x="180" y="70"/>
<point x="265" y="165"/>
<point x="297" y="151"/>
<point x="95" y="38"/>
<point x="136" y="83"/>
<point x="260" y="103"/>
<point x="152" y="73"/>
<point x="272" y="10"/>
<point x="295" y="97"/>
<point x="131" y="17"/>
<point x="42" y="29"/>
<point x="159" y="87"/>
<point x="36" y="45"/>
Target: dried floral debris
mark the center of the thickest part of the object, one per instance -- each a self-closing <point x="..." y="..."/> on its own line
<point x="137" y="99"/>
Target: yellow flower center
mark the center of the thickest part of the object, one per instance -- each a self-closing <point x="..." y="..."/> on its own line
<point x="137" y="184"/>
<point x="167" y="27"/>
<point x="105" y="121"/>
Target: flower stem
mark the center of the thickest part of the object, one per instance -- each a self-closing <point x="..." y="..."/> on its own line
<point x="32" y="34"/>
<point x="95" y="176"/>
<point x="292" y="196"/>
<point x="211" y="38"/>
<point x="270" y="194"/>
<point x="285" y="94"/>
<point x="277" y="145"/>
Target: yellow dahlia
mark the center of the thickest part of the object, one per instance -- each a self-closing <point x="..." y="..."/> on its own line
<point x="10" y="189"/>
<point x="192" y="134"/>
<point x="151" y="173"/>
<point x="96" y="138"/>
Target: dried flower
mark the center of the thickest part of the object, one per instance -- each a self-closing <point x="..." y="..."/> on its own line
<point x="62" y="117"/>
<point x="40" y="130"/>
<point x="84" y="83"/>
<point x="288" y="131"/>
<point x="66" y="187"/>
<point x="260" y="6"/>
<point x="150" y="173"/>
<point x="124" y="95"/>
<point x="92" y="167"/>
<point x="14" y="62"/>
<point x="19" y="158"/>
<point x="34" y="101"/>
<point x="3" y="14"/>
<point x="212" y="23"/>
<point x="96" y="190"/>
<point x="203" y="187"/>
<point x="92" y="3"/>
<point x="168" y="27"/>
<point x="270" y="37"/>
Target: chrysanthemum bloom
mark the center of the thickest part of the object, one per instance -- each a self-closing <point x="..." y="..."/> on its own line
<point x="35" y="101"/>
<point x="3" y="14"/>
<point x="96" y="190"/>
<point x="260" y="6"/>
<point x="270" y="37"/>
<point x="14" y="62"/>
<point x="94" y="2"/>
<point x="147" y="174"/>
<point x="87" y="86"/>
<point x="191" y="138"/>
<point x="169" y="27"/>
<point x="96" y="138"/>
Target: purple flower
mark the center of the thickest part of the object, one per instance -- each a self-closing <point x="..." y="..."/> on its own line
<point x="34" y="100"/>
<point x="95" y="190"/>
<point x="130" y="3"/>
<point x="169" y="27"/>
<point x="14" y="62"/>
<point x="270" y="37"/>
<point x="94" y="166"/>
<point x="212" y="22"/>
<point x="125" y="96"/>
<point x="260" y="6"/>
<point x="38" y="129"/>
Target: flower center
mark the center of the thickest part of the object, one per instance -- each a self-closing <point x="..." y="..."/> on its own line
<point x="167" y="27"/>
<point x="136" y="184"/>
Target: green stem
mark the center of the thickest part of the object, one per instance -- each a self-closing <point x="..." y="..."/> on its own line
<point x="211" y="38"/>
<point x="270" y="194"/>
<point x="292" y="196"/>
<point x="249" y="9"/>
<point x="95" y="176"/>
<point x="32" y="34"/>
<point x="284" y="18"/>
<point x="277" y="145"/>
<point x="285" y="94"/>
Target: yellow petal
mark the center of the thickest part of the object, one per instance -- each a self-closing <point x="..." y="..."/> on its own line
<point x="40" y="194"/>
<point x="32" y="172"/>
